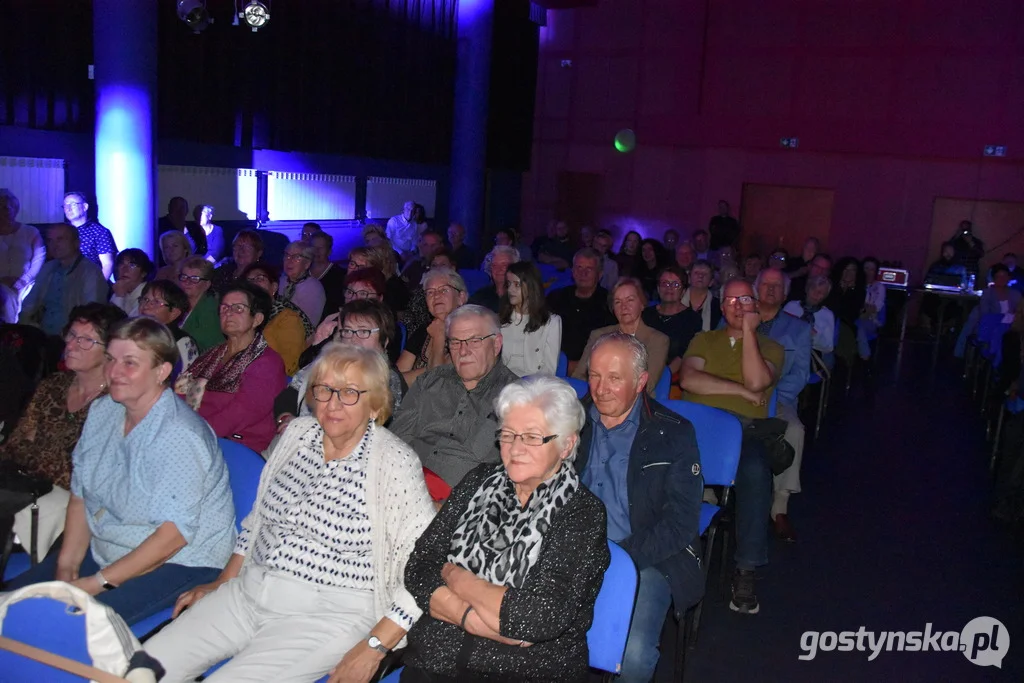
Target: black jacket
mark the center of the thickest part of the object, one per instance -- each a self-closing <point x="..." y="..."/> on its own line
<point x="665" y="489"/>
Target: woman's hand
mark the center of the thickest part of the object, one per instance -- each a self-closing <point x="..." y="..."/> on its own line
<point x="454" y="575"/>
<point x="325" y="329"/>
<point x="436" y="330"/>
<point x="358" y="665"/>
<point x="89" y="584"/>
<point x="282" y="422"/>
<point x="66" y="572"/>
<point x="191" y="597"/>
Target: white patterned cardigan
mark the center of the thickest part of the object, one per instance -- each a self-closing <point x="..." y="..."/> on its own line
<point x="397" y="502"/>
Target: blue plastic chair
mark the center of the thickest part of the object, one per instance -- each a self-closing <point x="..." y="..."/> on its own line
<point x="402" y="334"/>
<point x="244" y="469"/>
<point x="719" y="439"/>
<point x="773" y="404"/>
<point x="49" y="625"/>
<point x="581" y="387"/>
<point x="664" y="385"/>
<point x="17" y="564"/>
<point x="474" y="279"/>
<point x="562" y="369"/>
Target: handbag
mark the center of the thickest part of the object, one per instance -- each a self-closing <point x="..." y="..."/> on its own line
<point x="19" y="490"/>
<point x="770" y="432"/>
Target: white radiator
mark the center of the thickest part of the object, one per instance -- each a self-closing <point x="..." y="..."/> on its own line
<point x="385" y="196"/>
<point x="231" y="191"/>
<point x="39" y="186"/>
<point x="310" y="196"/>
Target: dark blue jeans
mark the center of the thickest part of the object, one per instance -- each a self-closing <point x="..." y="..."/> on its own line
<point x="136" y="598"/>
<point x="753" y="493"/>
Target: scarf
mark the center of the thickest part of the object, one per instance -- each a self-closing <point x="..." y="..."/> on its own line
<point x="207" y="373"/>
<point x="498" y="539"/>
<point x="289" y="290"/>
<point x="705" y="310"/>
<point x="809" y="311"/>
<point x="280" y="304"/>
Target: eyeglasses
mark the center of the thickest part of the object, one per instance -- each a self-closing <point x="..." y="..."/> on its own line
<point x="84" y="343"/>
<point x="670" y="284"/>
<point x="348" y="396"/>
<point x="744" y="300"/>
<point x="133" y="266"/>
<point x="194" y="279"/>
<point x="440" y="291"/>
<point x="68" y="205"/>
<point x="235" y="308"/>
<point x="359" y="293"/>
<point x="473" y="343"/>
<point x="150" y="301"/>
<point x="296" y="257"/>
<point x="258" y="278"/>
<point x="508" y="437"/>
<point x="348" y="332"/>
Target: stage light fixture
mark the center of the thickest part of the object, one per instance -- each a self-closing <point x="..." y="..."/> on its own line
<point x="194" y="13"/>
<point x="256" y="15"/>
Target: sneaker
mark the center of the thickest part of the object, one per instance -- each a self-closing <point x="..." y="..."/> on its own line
<point x="744" y="600"/>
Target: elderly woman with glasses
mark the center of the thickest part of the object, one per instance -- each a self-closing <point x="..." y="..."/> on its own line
<point x="150" y="513"/>
<point x="132" y="268"/>
<point x="667" y="316"/>
<point x="298" y="286"/>
<point x="288" y="329"/>
<point x="166" y="303"/>
<point x="426" y="348"/>
<point x="42" y="440"/>
<point x="233" y="385"/>
<point x="316" y="582"/>
<point x="508" y="571"/>
<point x="201" y="321"/>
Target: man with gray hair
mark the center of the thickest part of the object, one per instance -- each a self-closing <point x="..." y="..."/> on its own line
<point x="448" y="415"/>
<point x="401" y="230"/>
<point x="496" y="265"/>
<point x="583" y="308"/>
<point x="641" y="460"/>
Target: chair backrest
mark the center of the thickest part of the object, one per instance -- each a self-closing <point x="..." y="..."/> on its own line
<point x="562" y="369"/>
<point x="613" y="612"/>
<point x="474" y="279"/>
<point x="402" y="334"/>
<point x="664" y="385"/>
<point x="773" y="403"/>
<point x="719" y="439"/>
<point x="244" y="468"/>
<point x="581" y="387"/>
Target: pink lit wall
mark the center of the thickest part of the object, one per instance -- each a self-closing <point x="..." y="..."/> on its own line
<point x="892" y="103"/>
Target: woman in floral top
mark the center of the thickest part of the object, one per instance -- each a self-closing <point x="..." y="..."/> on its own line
<point x="43" y="439"/>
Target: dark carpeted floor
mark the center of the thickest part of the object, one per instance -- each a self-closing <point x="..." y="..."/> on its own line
<point x="894" y="534"/>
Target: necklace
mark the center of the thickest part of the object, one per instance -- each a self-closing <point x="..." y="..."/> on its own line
<point x="88" y="399"/>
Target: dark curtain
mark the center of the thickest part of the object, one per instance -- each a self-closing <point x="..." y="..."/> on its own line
<point x="514" y="47"/>
<point x="359" y="77"/>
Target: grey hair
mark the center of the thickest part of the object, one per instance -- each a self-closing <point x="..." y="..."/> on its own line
<point x="591" y="253"/>
<point x="12" y="201"/>
<point x="467" y="310"/>
<point x="786" y="282"/>
<point x="305" y="247"/>
<point x="637" y="350"/>
<point x="450" y="275"/>
<point x="555" y="398"/>
<point x="626" y="281"/>
<point x="499" y="250"/>
<point x="820" y="280"/>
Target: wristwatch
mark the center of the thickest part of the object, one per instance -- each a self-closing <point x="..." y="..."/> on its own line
<point x="107" y="586"/>
<point x="374" y="643"/>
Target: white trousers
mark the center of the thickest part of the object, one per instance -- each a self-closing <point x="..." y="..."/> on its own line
<point x="53" y="509"/>
<point x="789" y="480"/>
<point x="273" y="627"/>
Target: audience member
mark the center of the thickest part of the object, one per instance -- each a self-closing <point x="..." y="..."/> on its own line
<point x="42" y="440"/>
<point x="686" y="256"/>
<point x="582" y="308"/>
<point x="150" y="511"/>
<point x="382" y="258"/>
<point x="296" y="284"/>
<point x="702" y="307"/>
<point x="316" y="580"/>
<point x="96" y="242"/>
<point x="1010" y="261"/>
<point x="531" y="334"/>
<point x="309" y="229"/>
<point x="22" y="254"/>
<point x="246" y="248"/>
<point x="651" y="262"/>
<point x="67" y="280"/>
<point x="814" y="311"/>
<point x="287" y="328"/>
<point x="609" y="266"/>
<point x="752" y="266"/>
<point x="734" y="369"/>
<point x="586" y="236"/>
<point x="846" y="300"/>
<point x="702" y="246"/>
<point x="448" y="414"/>
<point x="628" y="257"/>
<point x="132" y="270"/>
<point x="670" y="240"/>
<point x="402" y="231"/>
<point x="490" y="573"/>
<point x="495" y="264"/>
<point x="175" y="248"/>
<point x="464" y="256"/>
<point x="820" y="264"/>
<point x="425" y="349"/>
<point x="509" y="237"/>
<point x="797" y="267"/>
<point x="777" y="259"/>
<point x="233" y="385"/>
<point x="428" y="244"/>
<point x="999" y="298"/>
<point x="202" y="321"/>
<point x="628" y="301"/>
<point x="794" y="336"/>
<point x="177" y="220"/>
<point x="723" y="228"/>
<point x="969" y="249"/>
<point x="323" y="269"/>
<point x="874" y="307"/>
<point x="557" y="249"/>
<point x="363" y="322"/>
<point x="668" y="316"/>
<point x="165" y="302"/>
<point x="213" y="234"/>
<point x="655" y="517"/>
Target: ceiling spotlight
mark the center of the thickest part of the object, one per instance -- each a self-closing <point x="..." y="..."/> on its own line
<point x="255" y="14"/>
<point x="193" y="13"/>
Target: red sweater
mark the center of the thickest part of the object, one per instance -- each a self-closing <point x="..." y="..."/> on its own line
<point x="248" y="414"/>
